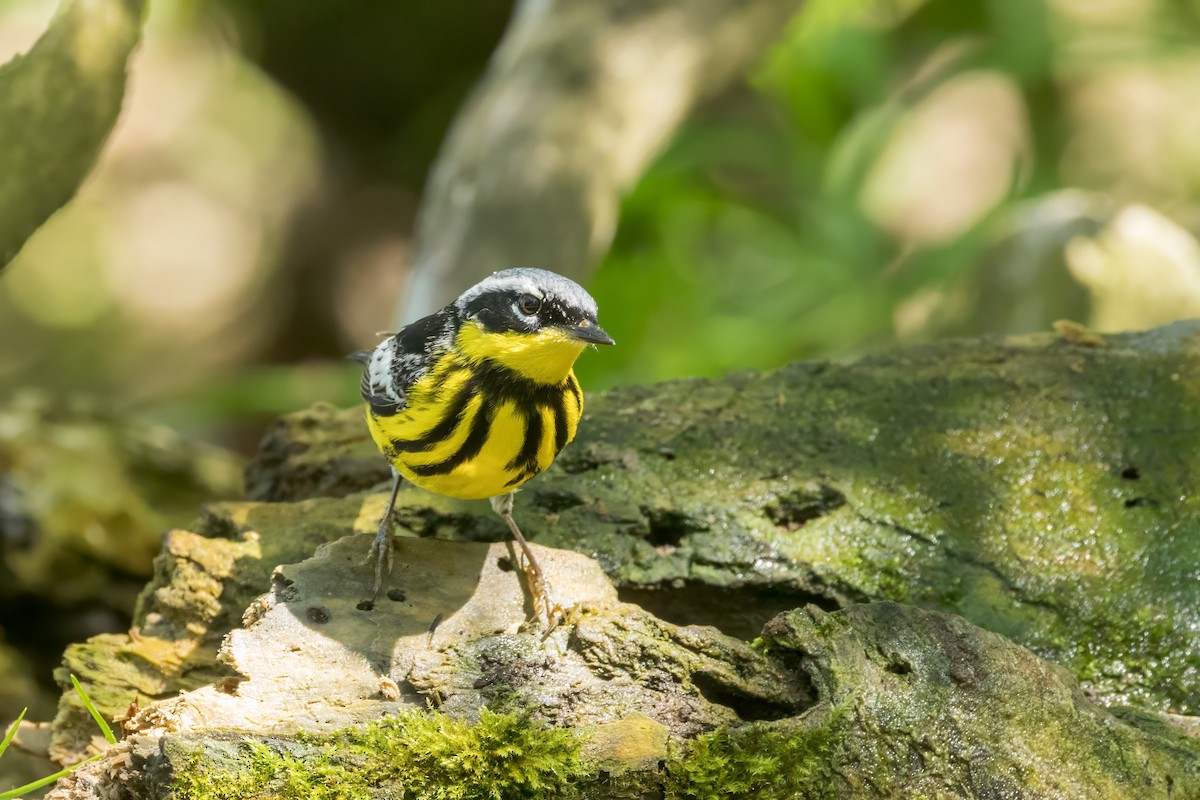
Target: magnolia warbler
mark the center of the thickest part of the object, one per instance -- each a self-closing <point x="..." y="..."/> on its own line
<point x="474" y="400"/>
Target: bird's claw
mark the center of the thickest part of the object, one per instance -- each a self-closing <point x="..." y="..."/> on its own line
<point x="379" y="555"/>
<point x="543" y="599"/>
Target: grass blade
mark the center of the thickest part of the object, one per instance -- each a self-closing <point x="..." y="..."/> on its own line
<point x="29" y="787"/>
<point x="87" y="701"/>
<point x="8" y="737"/>
<point x="40" y="782"/>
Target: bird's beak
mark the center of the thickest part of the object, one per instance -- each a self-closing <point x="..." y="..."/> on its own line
<point x="588" y="332"/>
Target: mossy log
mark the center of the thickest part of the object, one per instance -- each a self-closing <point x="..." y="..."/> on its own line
<point x="1038" y="487"/>
<point x="85" y="494"/>
<point x="1043" y="487"/>
<point x="875" y="701"/>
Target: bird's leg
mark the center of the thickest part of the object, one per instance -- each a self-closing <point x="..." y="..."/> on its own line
<point x="538" y="585"/>
<point x="380" y="553"/>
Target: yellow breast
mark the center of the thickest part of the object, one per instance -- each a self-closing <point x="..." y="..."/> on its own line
<point x="478" y="426"/>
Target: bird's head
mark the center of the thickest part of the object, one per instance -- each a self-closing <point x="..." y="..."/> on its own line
<point x="529" y="320"/>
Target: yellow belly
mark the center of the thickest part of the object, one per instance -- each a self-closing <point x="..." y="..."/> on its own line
<point x="475" y="439"/>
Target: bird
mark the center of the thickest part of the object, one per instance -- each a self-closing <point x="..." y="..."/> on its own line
<point x="477" y="398"/>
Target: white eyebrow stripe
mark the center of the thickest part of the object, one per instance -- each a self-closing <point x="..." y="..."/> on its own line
<point x="548" y="286"/>
<point x="513" y="283"/>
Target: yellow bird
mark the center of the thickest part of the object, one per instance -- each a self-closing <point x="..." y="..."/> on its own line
<point x="477" y="398"/>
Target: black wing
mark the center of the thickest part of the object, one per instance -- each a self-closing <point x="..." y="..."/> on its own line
<point x="408" y="355"/>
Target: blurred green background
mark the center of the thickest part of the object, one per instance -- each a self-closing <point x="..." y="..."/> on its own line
<point x="891" y="171"/>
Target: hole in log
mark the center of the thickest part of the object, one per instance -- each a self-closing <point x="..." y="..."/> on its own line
<point x="746" y="706"/>
<point x="668" y="527"/>
<point x="738" y="611"/>
<point x="793" y="511"/>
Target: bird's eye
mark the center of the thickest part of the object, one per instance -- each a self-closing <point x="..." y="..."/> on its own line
<point x="529" y="304"/>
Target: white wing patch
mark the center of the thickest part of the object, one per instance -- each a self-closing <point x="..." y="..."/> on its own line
<point x="379" y="371"/>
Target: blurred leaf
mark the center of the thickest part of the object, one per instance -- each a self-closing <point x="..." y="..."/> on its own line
<point x="58" y="103"/>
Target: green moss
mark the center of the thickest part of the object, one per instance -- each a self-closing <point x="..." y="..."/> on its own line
<point x="415" y="755"/>
<point x="1146" y="645"/>
<point x="428" y="756"/>
<point x="761" y="760"/>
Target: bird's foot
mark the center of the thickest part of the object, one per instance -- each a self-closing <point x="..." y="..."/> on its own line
<point x="380" y="557"/>
<point x="544" y="601"/>
<point x="539" y="587"/>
